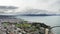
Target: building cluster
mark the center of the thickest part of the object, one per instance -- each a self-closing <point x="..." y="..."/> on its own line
<point x="18" y="26"/>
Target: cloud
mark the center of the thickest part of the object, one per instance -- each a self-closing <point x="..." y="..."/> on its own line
<point x="55" y="6"/>
<point x="50" y="5"/>
<point x="7" y="9"/>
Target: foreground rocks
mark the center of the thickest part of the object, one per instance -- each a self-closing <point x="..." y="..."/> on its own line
<point x="24" y="27"/>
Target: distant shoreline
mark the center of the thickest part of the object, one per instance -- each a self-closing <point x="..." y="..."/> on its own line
<point x="40" y="15"/>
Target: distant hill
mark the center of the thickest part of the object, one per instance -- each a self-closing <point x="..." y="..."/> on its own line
<point x="39" y="15"/>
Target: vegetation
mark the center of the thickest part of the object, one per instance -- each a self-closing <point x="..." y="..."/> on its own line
<point x="27" y="27"/>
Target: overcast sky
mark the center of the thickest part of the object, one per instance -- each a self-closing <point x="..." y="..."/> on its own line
<point x="50" y="5"/>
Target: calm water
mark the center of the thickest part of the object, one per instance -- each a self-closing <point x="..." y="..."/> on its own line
<point x="49" y="20"/>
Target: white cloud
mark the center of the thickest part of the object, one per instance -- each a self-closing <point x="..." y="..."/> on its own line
<point x="36" y="4"/>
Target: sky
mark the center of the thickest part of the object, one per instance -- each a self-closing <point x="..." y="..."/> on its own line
<point x="50" y="5"/>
